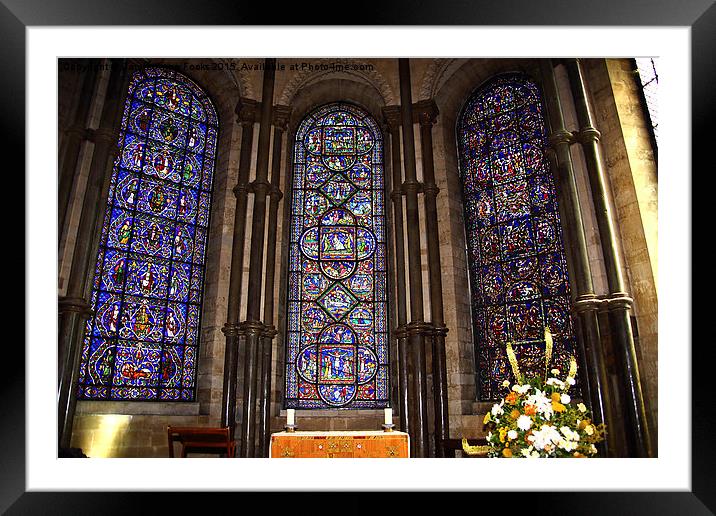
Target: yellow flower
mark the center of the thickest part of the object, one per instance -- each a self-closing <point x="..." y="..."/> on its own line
<point x="555" y="396"/>
<point x="558" y="407"/>
<point x="515" y="414"/>
<point x="486" y="419"/>
<point x="507" y="453"/>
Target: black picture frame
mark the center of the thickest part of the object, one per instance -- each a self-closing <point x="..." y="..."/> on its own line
<point x="16" y="15"/>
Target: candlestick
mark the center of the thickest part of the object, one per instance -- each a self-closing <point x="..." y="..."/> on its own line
<point x="290" y="420"/>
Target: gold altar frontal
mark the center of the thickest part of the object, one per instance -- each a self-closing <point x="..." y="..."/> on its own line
<point x="350" y="445"/>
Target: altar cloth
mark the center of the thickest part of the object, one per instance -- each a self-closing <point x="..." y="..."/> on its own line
<point x="341" y="444"/>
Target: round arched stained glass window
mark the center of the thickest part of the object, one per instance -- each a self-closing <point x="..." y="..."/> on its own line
<point x="142" y="341"/>
<point x="518" y="274"/>
<point x="337" y="344"/>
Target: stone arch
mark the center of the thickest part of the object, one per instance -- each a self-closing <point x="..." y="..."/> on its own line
<point x="350" y="71"/>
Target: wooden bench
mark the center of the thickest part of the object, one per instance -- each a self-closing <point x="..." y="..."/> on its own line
<point x="196" y="439"/>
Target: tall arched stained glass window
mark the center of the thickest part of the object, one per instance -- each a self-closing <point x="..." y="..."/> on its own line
<point x="141" y="343"/>
<point x="518" y="274"/>
<point x="337" y="343"/>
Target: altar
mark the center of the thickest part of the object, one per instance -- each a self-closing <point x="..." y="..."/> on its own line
<point x="343" y="444"/>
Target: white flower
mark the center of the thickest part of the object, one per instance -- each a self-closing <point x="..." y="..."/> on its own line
<point x="555" y="372"/>
<point x="488" y="436"/>
<point x="526" y="452"/>
<point x="571" y="381"/>
<point x="581" y="407"/>
<point x="512" y="434"/>
<point x="497" y="409"/>
<point x="592" y="449"/>
<point x="546" y="438"/>
<point x="556" y="382"/>
<point x="564" y="398"/>
<point x="524" y="422"/>
<point x="506" y="383"/>
<point x="589" y="429"/>
<point x="542" y="402"/>
<point x="521" y="389"/>
<point x="569" y="433"/>
<point x="535" y="455"/>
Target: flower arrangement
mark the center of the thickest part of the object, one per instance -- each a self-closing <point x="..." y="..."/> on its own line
<point x="538" y="418"/>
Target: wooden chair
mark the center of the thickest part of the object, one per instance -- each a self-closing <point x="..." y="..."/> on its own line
<point x="196" y="439"/>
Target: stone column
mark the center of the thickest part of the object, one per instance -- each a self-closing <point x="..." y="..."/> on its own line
<point x="428" y="111"/>
<point x="417" y="327"/>
<point x="392" y="117"/>
<point x="618" y="303"/>
<point x="595" y="383"/>
<point x="74" y="308"/>
<point x="72" y="144"/>
<point x="281" y="114"/>
<point x="252" y="327"/>
<point x="245" y="111"/>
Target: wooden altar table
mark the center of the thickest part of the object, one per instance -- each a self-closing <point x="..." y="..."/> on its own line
<point x="348" y="444"/>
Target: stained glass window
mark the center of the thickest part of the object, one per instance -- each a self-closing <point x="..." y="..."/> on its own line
<point x="518" y="274"/>
<point x="142" y="341"/>
<point x="337" y="341"/>
<point x="649" y="80"/>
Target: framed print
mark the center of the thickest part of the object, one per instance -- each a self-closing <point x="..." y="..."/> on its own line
<point x="414" y="229"/>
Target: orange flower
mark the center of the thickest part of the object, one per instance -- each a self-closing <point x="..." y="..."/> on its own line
<point x="515" y="414"/>
<point x="579" y="455"/>
<point x="583" y="424"/>
<point x="530" y="410"/>
<point x="511" y="398"/>
<point x="507" y="453"/>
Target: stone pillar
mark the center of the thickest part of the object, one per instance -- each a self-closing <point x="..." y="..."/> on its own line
<point x="595" y="383"/>
<point x="253" y="327"/>
<point x="428" y="111"/>
<point x="72" y="143"/>
<point x="245" y="111"/>
<point x="281" y="114"/>
<point x="392" y="117"/>
<point x="74" y="308"/>
<point x="416" y="327"/>
<point x="619" y="302"/>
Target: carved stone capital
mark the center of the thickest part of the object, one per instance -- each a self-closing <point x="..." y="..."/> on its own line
<point x="281" y="115"/>
<point x="246" y="110"/>
<point x="426" y="112"/>
<point x="392" y="118"/>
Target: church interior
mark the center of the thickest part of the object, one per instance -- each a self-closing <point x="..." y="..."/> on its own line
<point x="262" y="245"/>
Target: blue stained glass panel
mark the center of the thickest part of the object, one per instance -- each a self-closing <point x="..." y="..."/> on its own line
<point x="140" y="343"/>
<point x="518" y="276"/>
<point x="336" y="323"/>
